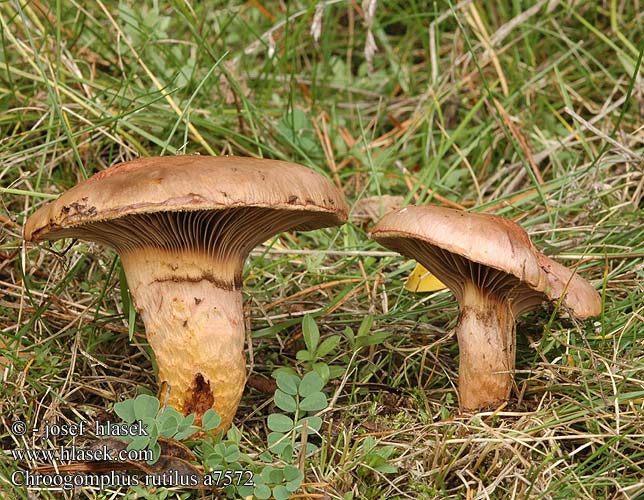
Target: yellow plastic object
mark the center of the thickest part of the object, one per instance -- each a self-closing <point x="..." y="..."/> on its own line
<point x="421" y="280"/>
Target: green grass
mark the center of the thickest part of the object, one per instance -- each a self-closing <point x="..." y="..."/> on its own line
<point x="86" y="85"/>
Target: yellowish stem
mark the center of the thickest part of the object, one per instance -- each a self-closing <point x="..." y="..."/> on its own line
<point x="194" y="321"/>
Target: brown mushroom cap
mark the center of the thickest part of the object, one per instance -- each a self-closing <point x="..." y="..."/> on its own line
<point x="221" y="207"/>
<point x="190" y="183"/>
<point x="494" y="253"/>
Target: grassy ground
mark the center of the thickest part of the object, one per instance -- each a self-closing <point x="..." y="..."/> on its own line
<point x="532" y="110"/>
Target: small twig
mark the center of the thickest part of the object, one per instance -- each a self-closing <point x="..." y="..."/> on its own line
<point x="434" y="194"/>
<point x="603" y="135"/>
<point x="303" y="443"/>
<point x="307" y="291"/>
<point x="325" y="142"/>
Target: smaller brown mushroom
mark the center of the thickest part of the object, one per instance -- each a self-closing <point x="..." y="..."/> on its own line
<point x="496" y="273"/>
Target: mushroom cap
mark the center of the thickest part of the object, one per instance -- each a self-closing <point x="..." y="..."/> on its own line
<point x="191" y="183"/>
<point x="493" y="252"/>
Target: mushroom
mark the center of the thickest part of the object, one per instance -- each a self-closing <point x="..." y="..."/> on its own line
<point x="496" y="273"/>
<point x="183" y="227"/>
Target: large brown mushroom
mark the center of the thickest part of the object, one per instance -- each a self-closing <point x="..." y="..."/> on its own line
<point x="496" y="273"/>
<point x="183" y="227"/>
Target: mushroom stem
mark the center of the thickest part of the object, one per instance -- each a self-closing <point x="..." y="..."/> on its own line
<point x="486" y="343"/>
<point x="192" y="310"/>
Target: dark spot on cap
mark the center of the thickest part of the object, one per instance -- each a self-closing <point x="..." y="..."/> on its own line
<point x="198" y="301"/>
<point x="80" y="208"/>
<point x="292" y="199"/>
<point x="200" y="397"/>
